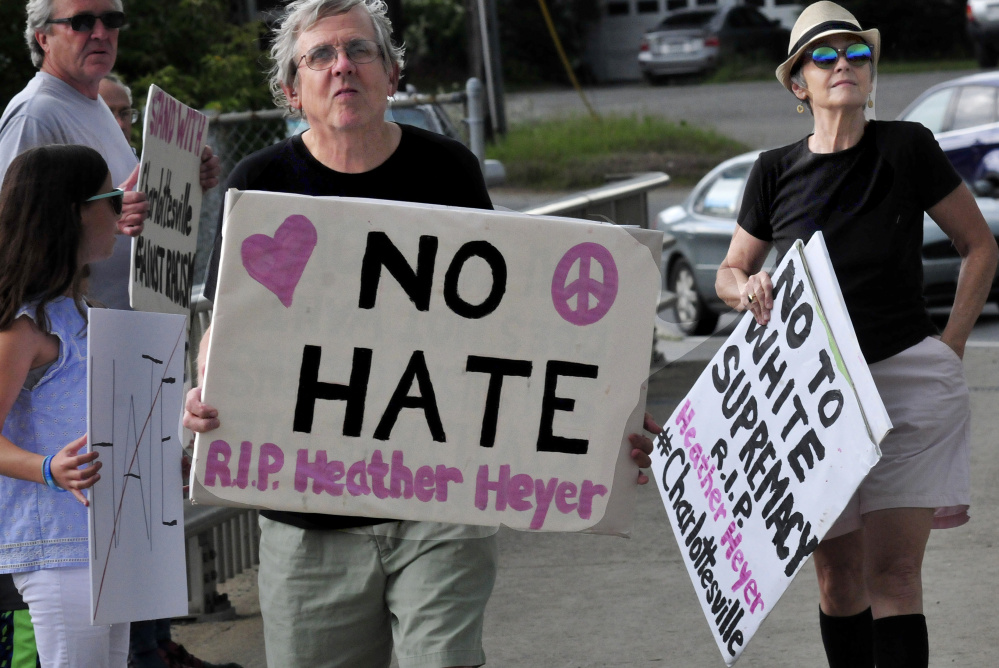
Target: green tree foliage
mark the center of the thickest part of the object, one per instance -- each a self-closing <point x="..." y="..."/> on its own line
<point x="191" y="50"/>
<point x="435" y="35"/>
<point x="15" y="63"/>
<point x="528" y="52"/>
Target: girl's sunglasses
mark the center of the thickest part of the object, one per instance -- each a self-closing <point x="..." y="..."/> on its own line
<point x="117" y="197"/>
<point x="825" y="57"/>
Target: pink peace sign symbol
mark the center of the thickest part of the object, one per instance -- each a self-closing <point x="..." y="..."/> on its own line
<point x="584" y="287"/>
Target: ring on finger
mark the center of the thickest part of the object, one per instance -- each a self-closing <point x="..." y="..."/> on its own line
<point x="751" y="298"/>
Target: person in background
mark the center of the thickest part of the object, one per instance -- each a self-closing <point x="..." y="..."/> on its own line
<point x="118" y="97"/>
<point x="865" y="185"/>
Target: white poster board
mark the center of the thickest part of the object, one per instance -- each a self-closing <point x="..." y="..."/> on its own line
<point x="135" y="373"/>
<point x="766" y="450"/>
<point x="162" y="264"/>
<point x="418" y="362"/>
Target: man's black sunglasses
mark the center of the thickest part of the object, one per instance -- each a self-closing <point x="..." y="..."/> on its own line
<point x="85" y="22"/>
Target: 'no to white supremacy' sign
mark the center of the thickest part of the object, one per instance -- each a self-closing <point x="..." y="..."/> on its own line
<point x="766" y="450"/>
<point x="162" y="266"/>
<point x="430" y="363"/>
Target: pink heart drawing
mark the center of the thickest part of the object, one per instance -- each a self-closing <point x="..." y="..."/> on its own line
<point x="278" y="263"/>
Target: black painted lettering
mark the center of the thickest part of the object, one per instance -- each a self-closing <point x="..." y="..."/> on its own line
<point x="548" y="441"/>
<point x="426" y="400"/>
<point x="381" y="252"/>
<point x="310" y="389"/>
<point x="497" y="265"/>
<point x="497" y="368"/>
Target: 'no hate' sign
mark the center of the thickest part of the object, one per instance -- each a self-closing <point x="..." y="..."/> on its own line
<point x="419" y="362"/>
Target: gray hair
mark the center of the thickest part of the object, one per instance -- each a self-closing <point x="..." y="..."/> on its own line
<point x="798" y="77"/>
<point x="40" y="11"/>
<point x="116" y="80"/>
<point x="301" y="15"/>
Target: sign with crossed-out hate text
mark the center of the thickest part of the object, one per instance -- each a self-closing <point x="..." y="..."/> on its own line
<point x="420" y="362"/>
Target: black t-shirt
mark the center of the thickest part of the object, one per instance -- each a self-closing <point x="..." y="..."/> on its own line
<point x="426" y="168"/>
<point x="868" y="201"/>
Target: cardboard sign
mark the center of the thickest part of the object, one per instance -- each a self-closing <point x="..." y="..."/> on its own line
<point x="135" y="372"/>
<point x="766" y="450"/>
<point x="410" y="361"/>
<point x="162" y="266"/>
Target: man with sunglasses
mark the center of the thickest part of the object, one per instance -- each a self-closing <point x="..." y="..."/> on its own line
<point x="74" y="44"/>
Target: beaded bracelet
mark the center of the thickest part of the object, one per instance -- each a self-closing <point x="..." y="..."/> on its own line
<point x="47" y="475"/>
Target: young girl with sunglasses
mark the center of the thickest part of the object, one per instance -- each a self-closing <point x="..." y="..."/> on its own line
<point x="866" y="184"/>
<point x="58" y="213"/>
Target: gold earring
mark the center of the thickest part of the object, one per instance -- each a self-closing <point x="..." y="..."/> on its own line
<point x="870" y="103"/>
<point x="801" y="108"/>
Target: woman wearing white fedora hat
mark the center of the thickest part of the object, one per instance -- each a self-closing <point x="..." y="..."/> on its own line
<point x="865" y="184"/>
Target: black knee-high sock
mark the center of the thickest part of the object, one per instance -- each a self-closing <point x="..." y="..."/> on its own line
<point x="849" y="641"/>
<point x="901" y="642"/>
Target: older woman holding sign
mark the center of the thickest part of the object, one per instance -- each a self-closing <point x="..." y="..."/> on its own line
<point x="865" y="184"/>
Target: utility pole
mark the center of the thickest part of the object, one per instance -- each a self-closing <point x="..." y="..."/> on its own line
<point x="484" y="60"/>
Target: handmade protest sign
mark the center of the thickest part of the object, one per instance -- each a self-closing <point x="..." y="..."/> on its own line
<point x="135" y="370"/>
<point x="162" y="265"/>
<point x="763" y="454"/>
<point x="430" y="363"/>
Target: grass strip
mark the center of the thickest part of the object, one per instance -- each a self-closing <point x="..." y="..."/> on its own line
<point x="580" y="152"/>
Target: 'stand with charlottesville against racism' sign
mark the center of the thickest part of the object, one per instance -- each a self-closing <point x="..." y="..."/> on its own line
<point x="162" y="265"/>
<point x="418" y="362"/>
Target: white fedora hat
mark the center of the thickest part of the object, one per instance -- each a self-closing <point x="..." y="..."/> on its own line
<point x="821" y="20"/>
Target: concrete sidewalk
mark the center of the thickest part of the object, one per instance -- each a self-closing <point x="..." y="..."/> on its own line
<point x="578" y="600"/>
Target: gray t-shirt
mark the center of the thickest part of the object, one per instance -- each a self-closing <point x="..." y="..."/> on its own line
<point x="50" y="111"/>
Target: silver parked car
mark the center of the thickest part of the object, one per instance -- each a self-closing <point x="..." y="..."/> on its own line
<point x="689" y="41"/>
<point x="703" y="226"/>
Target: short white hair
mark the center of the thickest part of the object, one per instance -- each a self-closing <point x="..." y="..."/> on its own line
<point x="301" y="15"/>
<point x="40" y="11"/>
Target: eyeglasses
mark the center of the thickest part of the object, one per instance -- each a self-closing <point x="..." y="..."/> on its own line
<point x="825" y="57"/>
<point x="324" y="56"/>
<point x="117" y="197"/>
<point x="85" y="22"/>
<point x="126" y="114"/>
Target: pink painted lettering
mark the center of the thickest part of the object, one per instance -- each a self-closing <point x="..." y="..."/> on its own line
<point x="217" y="464"/>
<point x="516" y="492"/>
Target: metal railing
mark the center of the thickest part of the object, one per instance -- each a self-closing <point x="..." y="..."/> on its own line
<point x="220" y="543"/>
<point x="624" y="202"/>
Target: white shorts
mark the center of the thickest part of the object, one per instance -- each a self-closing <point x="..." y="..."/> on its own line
<point x="59" y="602"/>
<point x="925" y="458"/>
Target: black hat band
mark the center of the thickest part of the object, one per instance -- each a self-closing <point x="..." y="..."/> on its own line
<point x="821" y="28"/>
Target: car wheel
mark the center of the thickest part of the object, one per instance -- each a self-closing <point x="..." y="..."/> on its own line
<point x="691" y="315"/>
<point x="986" y="55"/>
